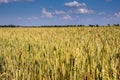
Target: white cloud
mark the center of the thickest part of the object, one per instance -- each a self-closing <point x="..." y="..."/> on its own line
<point x="32" y="18"/>
<point x="76" y="7"/>
<point x="67" y="17"/>
<point x="59" y="12"/>
<point x="84" y="11"/>
<point x="75" y="4"/>
<point x="46" y="13"/>
<point x="117" y="15"/>
<point x="7" y="1"/>
<point x="51" y="14"/>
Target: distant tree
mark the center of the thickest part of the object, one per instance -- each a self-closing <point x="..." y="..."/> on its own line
<point x="109" y="25"/>
<point x="11" y="25"/>
<point x="91" y="25"/>
<point x="97" y="25"/>
<point x="81" y="25"/>
<point x="116" y="24"/>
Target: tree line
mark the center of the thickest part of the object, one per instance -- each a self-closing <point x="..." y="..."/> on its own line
<point x="90" y="25"/>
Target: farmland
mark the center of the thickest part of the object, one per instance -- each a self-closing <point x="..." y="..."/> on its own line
<point x="81" y="53"/>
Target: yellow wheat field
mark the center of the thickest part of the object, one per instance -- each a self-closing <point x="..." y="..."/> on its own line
<point x="84" y="53"/>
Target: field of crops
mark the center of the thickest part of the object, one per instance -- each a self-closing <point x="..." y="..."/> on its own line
<point x="84" y="53"/>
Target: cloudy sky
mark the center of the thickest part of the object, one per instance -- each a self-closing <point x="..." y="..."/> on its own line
<point x="59" y="12"/>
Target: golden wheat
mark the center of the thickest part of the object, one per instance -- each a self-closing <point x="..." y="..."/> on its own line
<point x="85" y="53"/>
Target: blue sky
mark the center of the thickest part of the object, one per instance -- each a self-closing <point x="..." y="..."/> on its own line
<point x="59" y="12"/>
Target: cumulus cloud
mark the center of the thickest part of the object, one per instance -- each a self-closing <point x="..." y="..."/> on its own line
<point x="117" y="15"/>
<point x="67" y="17"/>
<point x="75" y="4"/>
<point x="84" y="11"/>
<point x="49" y="14"/>
<point x="74" y="8"/>
<point x="77" y="7"/>
<point x="46" y="13"/>
<point x="32" y="18"/>
<point x="59" y="12"/>
<point x="7" y="1"/>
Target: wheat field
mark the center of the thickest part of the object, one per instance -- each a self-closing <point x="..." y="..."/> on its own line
<point x="73" y="53"/>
